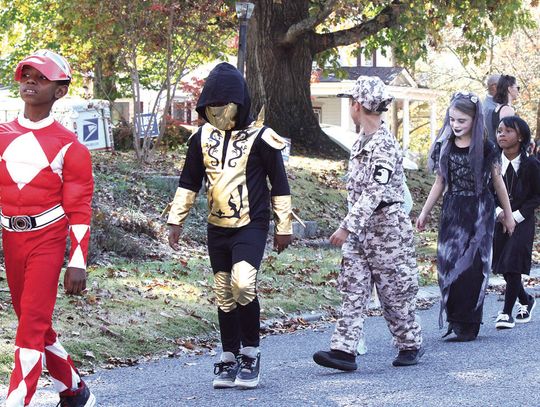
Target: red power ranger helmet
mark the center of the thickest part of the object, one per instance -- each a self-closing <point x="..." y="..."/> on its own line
<point x="53" y="66"/>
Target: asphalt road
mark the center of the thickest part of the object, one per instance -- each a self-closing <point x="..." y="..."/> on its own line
<point x="500" y="368"/>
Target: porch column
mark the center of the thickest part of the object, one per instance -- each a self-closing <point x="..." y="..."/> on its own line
<point x="394" y="126"/>
<point x="406" y="125"/>
<point x="345" y="113"/>
<point x="433" y="120"/>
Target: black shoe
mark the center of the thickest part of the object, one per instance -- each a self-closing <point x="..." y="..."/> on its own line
<point x="248" y="370"/>
<point x="225" y="371"/>
<point x="82" y="397"/>
<point x="524" y="312"/>
<point x="465" y="332"/>
<point x="408" y="357"/>
<point x="336" y="359"/>
<point x="504" y="321"/>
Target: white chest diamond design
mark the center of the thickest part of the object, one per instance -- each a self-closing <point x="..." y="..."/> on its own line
<point x="24" y="159"/>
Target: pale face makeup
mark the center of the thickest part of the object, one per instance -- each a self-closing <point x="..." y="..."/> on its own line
<point x="460" y="123"/>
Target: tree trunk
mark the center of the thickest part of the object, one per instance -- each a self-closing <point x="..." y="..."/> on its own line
<point x="105" y="78"/>
<point x="279" y="75"/>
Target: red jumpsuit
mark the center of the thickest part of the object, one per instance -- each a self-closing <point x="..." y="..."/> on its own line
<point x="46" y="187"/>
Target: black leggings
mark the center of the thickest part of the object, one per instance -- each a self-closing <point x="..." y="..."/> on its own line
<point x="514" y="290"/>
<point x="226" y="247"/>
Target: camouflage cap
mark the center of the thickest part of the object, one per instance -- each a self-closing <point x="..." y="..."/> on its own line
<point x="370" y="92"/>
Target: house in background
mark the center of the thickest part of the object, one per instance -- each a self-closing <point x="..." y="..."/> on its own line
<point x="334" y="111"/>
<point x="184" y="98"/>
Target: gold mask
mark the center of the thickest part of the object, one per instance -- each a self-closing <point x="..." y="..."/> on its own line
<point x="222" y="117"/>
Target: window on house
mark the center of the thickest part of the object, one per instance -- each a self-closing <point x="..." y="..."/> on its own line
<point x="182" y="112"/>
<point x="120" y="112"/>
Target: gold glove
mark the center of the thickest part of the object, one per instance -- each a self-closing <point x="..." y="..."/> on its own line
<point x="180" y="206"/>
<point x="283" y="217"/>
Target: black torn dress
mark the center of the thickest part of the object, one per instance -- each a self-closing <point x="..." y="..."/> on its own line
<point x="465" y="239"/>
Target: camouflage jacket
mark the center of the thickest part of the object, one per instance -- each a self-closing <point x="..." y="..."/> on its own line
<point x="375" y="178"/>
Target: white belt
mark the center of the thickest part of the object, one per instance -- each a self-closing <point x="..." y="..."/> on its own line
<point x="24" y="223"/>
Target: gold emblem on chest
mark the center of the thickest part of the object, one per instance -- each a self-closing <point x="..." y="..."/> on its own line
<point x="225" y="156"/>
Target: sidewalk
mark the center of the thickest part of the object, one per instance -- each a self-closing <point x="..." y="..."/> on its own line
<point x="426" y="293"/>
<point x="431" y="292"/>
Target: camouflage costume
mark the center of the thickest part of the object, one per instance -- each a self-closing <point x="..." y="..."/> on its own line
<point x="379" y="249"/>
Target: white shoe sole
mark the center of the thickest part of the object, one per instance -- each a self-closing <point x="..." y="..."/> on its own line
<point x="525" y="320"/>
<point x="91" y="401"/>
<point x="505" y="325"/>
<point x="246" y="384"/>
<point x="223" y="384"/>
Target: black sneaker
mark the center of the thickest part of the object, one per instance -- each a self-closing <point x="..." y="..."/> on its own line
<point x="524" y="312"/>
<point x="249" y="361"/>
<point x="82" y="397"/>
<point x="336" y="359"/>
<point x="504" y="321"/>
<point x="225" y="371"/>
<point x="408" y="357"/>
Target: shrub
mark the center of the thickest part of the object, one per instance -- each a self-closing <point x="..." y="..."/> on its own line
<point x="123" y="137"/>
<point x="175" y="135"/>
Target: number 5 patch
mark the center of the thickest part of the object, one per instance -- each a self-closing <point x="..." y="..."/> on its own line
<point x="382" y="174"/>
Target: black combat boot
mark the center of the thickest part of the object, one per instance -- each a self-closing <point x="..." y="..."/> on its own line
<point x="336" y="359"/>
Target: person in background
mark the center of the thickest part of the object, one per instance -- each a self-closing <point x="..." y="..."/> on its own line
<point x="377" y="238"/>
<point x="512" y="254"/>
<point x="531" y="150"/>
<point x="466" y="166"/>
<point x="489" y="104"/>
<point x="507" y="93"/>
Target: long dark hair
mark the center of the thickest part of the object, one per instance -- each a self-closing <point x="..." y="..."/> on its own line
<point x="469" y="104"/>
<point x="505" y="81"/>
<point x="522" y="129"/>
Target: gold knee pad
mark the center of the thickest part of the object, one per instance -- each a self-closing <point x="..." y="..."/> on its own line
<point x="243" y="282"/>
<point x="223" y="291"/>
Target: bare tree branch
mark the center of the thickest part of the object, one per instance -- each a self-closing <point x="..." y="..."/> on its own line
<point x="419" y="127"/>
<point x="471" y="73"/>
<point x="530" y="37"/>
<point x="388" y="17"/>
<point x="304" y="26"/>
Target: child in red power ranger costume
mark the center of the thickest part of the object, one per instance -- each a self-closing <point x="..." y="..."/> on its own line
<point x="46" y="187"/>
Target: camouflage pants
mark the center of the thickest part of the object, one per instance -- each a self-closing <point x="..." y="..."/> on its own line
<point x="382" y="256"/>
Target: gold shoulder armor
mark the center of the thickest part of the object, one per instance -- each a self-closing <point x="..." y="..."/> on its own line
<point x="273" y="139"/>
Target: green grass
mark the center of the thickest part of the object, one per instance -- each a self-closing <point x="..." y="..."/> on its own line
<point x="318" y="191"/>
<point x="426" y="255"/>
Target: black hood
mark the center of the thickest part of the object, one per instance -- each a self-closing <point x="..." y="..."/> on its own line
<point x="225" y="84"/>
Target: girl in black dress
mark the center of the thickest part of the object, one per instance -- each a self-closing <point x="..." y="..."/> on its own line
<point x="466" y="166"/>
<point x="512" y="254"/>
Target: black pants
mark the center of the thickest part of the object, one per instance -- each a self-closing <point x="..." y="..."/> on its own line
<point x="226" y="247"/>
<point x="514" y="290"/>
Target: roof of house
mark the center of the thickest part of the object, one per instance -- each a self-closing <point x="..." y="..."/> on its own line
<point x="387" y="74"/>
